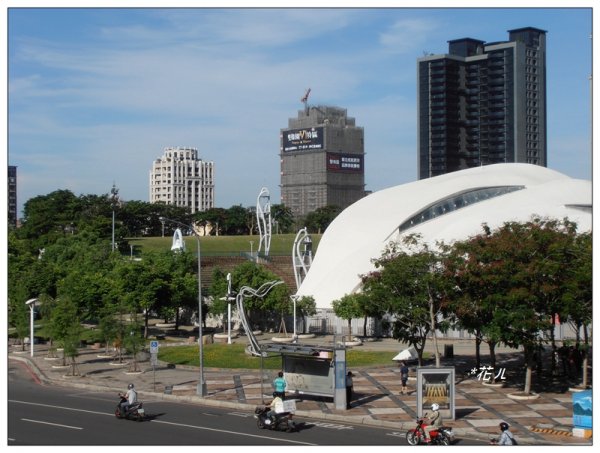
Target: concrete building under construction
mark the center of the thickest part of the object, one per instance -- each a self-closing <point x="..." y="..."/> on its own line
<point x="322" y="160"/>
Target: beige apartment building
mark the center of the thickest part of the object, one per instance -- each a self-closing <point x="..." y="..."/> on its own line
<point x="182" y="179"/>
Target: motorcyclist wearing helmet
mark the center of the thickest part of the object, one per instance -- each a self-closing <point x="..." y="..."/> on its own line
<point x="276" y="406"/>
<point x="434" y="421"/>
<point x="131" y="398"/>
<point x="506" y="438"/>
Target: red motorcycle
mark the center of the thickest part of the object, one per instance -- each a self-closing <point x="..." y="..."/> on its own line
<point x="440" y="436"/>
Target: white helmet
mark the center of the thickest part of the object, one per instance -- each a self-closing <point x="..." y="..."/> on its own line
<point x="435" y="407"/>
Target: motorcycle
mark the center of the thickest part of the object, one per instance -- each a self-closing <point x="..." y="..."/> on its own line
<point x="280" y="422"/>
<point x="134" y="412"/>
<point x="440" y="436"/>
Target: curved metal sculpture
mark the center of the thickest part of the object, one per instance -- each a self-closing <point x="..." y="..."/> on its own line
<point x="261" y="292"/>
<point x="263" y="219"/>
<point x="301" y="259"/>
<point x="178" y="242"/>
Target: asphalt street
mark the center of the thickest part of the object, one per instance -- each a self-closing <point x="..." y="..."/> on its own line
<point x="55" y="415"/>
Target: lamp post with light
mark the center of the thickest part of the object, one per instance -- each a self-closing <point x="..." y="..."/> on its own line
<point x="201" y="388"/>
<point x="31" y="304"/>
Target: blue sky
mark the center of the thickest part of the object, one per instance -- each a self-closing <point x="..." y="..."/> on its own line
<point x="95" y="95"/>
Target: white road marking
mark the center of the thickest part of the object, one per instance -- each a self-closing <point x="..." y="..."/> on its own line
<point x="51" y="424"/>
<point x="164" y="422"/>
<point x="61" y="407"/>
<point x="231" y="432"/>
<point x="240" y="414"/>
<point x="331" y="425"/>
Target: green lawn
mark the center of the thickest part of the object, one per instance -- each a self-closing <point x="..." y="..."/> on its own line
<point x="234" y="356"/>
<point x="281" y="244"/>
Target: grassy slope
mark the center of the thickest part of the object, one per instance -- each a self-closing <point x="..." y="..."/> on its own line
<point x="281" y="244"/>
<point x="234" y="356"/>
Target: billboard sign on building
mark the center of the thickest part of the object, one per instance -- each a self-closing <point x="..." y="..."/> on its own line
<point x="303" y="139"/>
<point x="346" y="163"/>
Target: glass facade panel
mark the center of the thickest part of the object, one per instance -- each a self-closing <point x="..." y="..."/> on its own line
<point x="455" y="202"/>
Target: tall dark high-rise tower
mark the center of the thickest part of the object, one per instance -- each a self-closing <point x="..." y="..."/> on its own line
<point x="12" y="195"/>
<point x="483" y="103"/>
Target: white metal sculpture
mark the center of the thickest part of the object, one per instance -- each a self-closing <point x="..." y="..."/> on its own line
<point x="301" y="261"/>
<point x="261" y="292"/>
<point x="178" y="242"/>
<point x="302" y="255"/>
<point x="263" y="219"/>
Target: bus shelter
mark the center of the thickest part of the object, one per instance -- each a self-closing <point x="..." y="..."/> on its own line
<point x="310" y="369"/>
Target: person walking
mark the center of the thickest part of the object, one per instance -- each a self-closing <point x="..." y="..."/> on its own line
<point x="404" y="377"/>
<point x="280" y="384"/>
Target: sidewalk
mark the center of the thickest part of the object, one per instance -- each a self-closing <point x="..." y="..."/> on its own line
<point x="378" y="400"/>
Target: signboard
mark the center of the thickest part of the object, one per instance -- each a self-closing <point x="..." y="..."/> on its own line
<point x="435" y="385"/>
<point x="582" y="409"/>
<point x="154" y="347"/>
<point x="345" y="163"/>
<point x="153" y="359"/>
<point x="303" y="139"/>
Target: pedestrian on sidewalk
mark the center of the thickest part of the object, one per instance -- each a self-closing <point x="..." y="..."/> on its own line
<point x="404" y="377"/>
<point x="280" y="384"/>
<point x="349" y="387"/>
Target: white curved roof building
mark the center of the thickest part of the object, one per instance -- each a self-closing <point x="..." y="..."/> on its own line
<point x="448" y="207"/>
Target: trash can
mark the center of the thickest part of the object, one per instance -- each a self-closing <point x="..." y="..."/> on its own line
<point x="449" y="351"/>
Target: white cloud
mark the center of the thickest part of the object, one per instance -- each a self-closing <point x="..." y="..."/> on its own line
<point x="407" y="35"/>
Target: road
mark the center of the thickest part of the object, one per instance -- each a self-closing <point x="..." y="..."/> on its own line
<point x="54" y="415"/>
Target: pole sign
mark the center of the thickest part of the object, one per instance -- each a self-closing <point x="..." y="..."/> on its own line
<point x="154" y="347"/>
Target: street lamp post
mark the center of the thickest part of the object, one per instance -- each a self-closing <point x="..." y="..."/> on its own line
<point x="229" y="308"/>
<point x="201" y="387"/>
<point x="114" y="200"/>
<point x="31" y="303"/>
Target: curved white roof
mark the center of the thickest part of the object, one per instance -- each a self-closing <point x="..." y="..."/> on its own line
<point x="359" y="234"/>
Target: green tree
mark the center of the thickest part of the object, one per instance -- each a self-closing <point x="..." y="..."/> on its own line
<point x="318" y="220"/>
<point x="348" y="307"/>
<point x="469" y="265"/>
<point x="108" y="327"/>
<point x="524" y="267"/>
<point x="87" y="289"/>
<point x="305" y="306"/>
<point x="269" y="309"/>
<point x="133" y="341"/>
<point x="577" y="299"/>
<point x="284" y="218"/>
<point x="236" y="221"/>
<point x="65" y="328"/>
<point x="18" y="316"/>
<point x="49" y="217"/>
<point x="408" y="283"/>
<point x="211" y="220"/>
<point x="47" y="304"/>
<point x="143" y="285"/>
